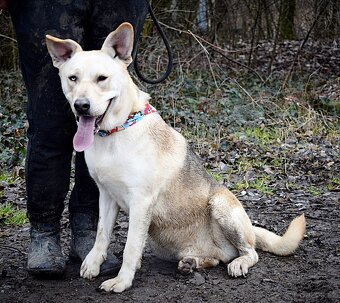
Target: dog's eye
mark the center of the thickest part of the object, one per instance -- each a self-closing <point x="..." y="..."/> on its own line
<point x="101" y="78"/>
<point x="73" y="78"/>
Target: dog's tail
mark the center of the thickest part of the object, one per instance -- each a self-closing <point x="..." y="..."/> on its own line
<point x="281" y="245"/>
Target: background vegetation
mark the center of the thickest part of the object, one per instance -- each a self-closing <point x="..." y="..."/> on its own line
<point x="255" y="89"/>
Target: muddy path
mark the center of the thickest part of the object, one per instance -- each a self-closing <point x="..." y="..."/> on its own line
<point x="311" y="275"/>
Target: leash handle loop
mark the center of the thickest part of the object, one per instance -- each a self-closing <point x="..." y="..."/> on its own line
<point x="168" y="49"/>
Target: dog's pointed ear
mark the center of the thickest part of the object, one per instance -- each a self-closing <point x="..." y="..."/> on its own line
<point x="61" y="50"/>
<point x="119" y="43"/>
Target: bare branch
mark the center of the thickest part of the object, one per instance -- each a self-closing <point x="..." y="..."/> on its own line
<point x="221" y="51"/>
<point x="4" y="36"/>
<point x="323" y="6"/>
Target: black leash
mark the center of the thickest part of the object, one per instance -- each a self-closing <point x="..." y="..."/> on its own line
<point x="168" y="49"/>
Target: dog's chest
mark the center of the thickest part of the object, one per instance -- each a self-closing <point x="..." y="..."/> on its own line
<point x="119" y="167"/>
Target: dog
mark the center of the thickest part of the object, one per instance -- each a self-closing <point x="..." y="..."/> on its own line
<point x="146" y="168"/>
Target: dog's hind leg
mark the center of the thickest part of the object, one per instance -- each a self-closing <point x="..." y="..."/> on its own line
<point x="236" y="227"/>
<point x="108" y="211"/>
<point x="189" y="264"/>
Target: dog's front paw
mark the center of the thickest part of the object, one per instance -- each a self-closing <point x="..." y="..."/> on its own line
<point x="238" y="268"/>
<point x="118" y="284"/>
<point x="90" y="267"/>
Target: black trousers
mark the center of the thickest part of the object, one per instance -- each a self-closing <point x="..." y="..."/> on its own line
<point x="51" y="122"/>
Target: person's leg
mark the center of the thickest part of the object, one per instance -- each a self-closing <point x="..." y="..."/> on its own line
<point x="106" y="16"/>
<point x="83" y="209"/>
<point x="51" y="126"/>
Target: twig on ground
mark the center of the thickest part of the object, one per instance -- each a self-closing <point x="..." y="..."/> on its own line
<point x="13" y="248"/>
<point x="320" y="218"/>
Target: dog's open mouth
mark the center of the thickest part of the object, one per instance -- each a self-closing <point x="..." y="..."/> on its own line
<point x="87" y="126"/>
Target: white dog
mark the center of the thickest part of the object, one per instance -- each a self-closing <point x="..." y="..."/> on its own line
<point x="145" y="167"/>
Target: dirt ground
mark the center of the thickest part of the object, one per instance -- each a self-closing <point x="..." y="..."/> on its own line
<point x="302" y="174"/>
<point x="310" y="275"/>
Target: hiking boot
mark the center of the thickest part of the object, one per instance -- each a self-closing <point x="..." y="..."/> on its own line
<point x="45" y="257"/>
<point x="83" y="236"/>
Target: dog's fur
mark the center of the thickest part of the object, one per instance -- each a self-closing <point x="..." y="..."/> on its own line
<point x="149" y="171"/>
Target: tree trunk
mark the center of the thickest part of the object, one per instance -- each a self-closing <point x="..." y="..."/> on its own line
<point x="335" y="24"/>
<point x="287" y="20"/>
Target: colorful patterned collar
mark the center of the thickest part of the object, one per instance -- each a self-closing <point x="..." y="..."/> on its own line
<point x="131" y="120"/>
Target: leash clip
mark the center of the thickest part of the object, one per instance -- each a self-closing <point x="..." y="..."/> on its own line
<point x="96" y="129"/>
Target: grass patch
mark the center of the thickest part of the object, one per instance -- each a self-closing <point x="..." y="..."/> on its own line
<point x="246" y="163"/>
<point x="260" y="184"/>
<point x="7" y="178"/>
<point x="333" y="184"/>
<point x="314" y="191"/>
<point x="261" y="135"/>
<point x="239" y="186"/>
<point x="217" y="177"/>
<point x="10" y="215"/>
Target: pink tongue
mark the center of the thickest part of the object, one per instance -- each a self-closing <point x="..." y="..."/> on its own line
<point x="84" y="135"/>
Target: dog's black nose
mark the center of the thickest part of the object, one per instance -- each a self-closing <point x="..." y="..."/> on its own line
<point x="82" y="106"/>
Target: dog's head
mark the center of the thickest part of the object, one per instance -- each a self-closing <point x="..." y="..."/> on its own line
<point x="97" y="83"/>
<point x="91" y="79"/>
